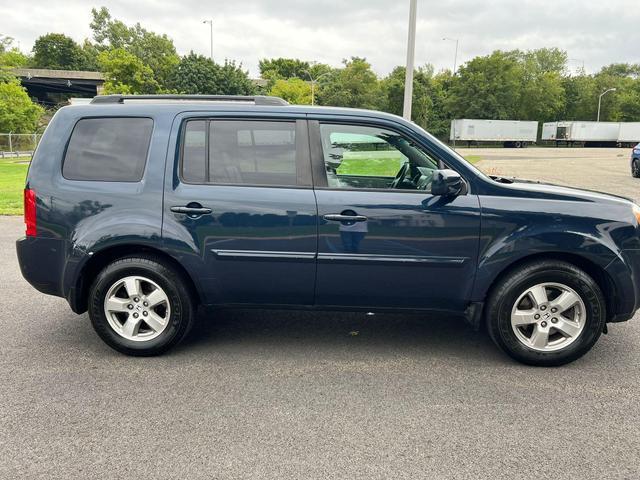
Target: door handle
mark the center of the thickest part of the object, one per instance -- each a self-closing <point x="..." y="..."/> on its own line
<point x="338" y="217"/>
<point x="192" y="211"/>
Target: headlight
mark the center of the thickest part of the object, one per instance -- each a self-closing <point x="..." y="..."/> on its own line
<point x="636" y="212"/>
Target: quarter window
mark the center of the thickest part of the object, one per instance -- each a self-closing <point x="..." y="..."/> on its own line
<point x="108" y="149"/>
<point x="370" y="157"/>
<point x="239" y="152"/>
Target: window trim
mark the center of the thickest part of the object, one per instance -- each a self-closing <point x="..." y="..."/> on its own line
<point x="319" y="167"/>
<point x="302" y="154"/>
<point x="103" y="117"/>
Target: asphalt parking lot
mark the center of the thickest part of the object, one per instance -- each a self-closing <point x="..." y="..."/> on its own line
<point x="603" y="169"/>
<point x="257" y="394"/>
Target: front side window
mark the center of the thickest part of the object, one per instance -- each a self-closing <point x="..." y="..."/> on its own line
<point x="367" y="157"/>
<point x="239" y="152"/>
<point x="108" y="149"/>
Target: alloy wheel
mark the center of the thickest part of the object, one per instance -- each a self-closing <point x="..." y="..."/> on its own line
<point x="137" y="308"/>
<point x="548" y="317"/>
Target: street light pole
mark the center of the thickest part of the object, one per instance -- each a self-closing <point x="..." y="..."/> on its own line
<point x="600" y="99"/>
<point x="411" y="54"/>
<point x="313" y="84"/>
<point x="455" y="57"/>
<point x="455" y="68"/>
<point x="210" y="22"/>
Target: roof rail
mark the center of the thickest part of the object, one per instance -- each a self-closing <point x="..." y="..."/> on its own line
<point x="256" y="100"/>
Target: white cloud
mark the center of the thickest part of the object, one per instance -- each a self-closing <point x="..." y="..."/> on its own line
<point x="592" y="31"/>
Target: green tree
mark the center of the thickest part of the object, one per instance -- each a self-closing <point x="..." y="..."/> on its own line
<point x="629" y="102"/>
<point x="293" y="90"/>
<point x="284" y="68"/>
<point x="155" y="51"/>
<point x="393" y="93"/>
<point x="580" y="98"/>
<point x="90" y="56"/>
<point x="621" y="70"/>
<point x="6" y="43"/>
<point x="487" y="87"/>
<point x="232" y="80"/>
<point x="542" y="96"/>
<point x="355" y="85"/>
<point x="18" y="114"/>
<point x="197" y="74"/>
<point x="429" y="98"/>
<point x="126" y="73"/>
<point x="58" y="52"/>
<point x="10" y="58"/>
<point x="317" y="70"/>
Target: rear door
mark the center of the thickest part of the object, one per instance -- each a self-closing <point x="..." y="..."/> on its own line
<point x="240" y="210"/>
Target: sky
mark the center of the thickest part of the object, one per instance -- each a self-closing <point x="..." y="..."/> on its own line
<point x="593" y="32"/>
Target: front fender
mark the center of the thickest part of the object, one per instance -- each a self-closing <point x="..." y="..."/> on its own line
<point x="501" y="254"/>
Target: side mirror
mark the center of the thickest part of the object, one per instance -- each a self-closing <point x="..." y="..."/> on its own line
<point x="446" y="183"/>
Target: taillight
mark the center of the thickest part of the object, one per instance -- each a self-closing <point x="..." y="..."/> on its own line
<point x="30" y="212"/>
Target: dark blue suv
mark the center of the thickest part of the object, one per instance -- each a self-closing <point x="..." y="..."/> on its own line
<point x="139" y="209"/>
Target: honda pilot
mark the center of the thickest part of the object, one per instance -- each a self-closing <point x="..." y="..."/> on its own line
<point x="139" y="209"/>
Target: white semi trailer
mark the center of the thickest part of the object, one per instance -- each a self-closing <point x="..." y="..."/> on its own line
<point x="629" y="134"/>
<point x="589" y="134"/>
<point x="511" y="133"/>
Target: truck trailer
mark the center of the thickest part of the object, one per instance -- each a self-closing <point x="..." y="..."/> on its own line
<point x="589" y="134"/>
<point x="511" y="133"/>
<point x="629" y="134"/>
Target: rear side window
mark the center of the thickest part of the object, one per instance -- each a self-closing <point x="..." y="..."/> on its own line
<point x="239" y="152"/>
<point x="108" y="149"/>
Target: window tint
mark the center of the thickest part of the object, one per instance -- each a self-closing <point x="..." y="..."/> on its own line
<point x="108" y="149"/>
<point x="370" y="157"/>
<point x="240" y="152"/>
<point x="194" y="153"/>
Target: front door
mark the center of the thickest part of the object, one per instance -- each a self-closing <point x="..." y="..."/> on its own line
<point x="384" y="240"/>
<point x="240" y="194"/>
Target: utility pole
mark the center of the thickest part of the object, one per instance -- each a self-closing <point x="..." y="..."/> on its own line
<point x="210" y="22"/>
<point x="600" y="99"/>
<point x="411" y="54"/>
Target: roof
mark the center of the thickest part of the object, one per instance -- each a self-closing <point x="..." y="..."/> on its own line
<point x="159" y="107"/>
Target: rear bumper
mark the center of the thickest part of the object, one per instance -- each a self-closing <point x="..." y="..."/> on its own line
<point x="41" y="263"/>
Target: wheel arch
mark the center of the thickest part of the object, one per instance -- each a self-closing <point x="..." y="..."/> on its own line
<point x="595" y="271"/>
<point x="78" y="294"/>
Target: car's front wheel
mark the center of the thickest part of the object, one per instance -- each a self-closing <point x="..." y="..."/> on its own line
<point x="635" y="168"/>
<point x="140" y="306"/>
<point x="546" y="313"/>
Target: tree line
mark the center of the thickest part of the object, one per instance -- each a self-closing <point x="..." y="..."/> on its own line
<point x="524" y="85"/>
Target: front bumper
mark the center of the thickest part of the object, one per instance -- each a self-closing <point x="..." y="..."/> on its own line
<point x="624" y="271"/>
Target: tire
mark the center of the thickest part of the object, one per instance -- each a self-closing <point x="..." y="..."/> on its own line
<point x="162" y="293"/>
<point x="635" y="168"/>
<point x="512" y="302"/>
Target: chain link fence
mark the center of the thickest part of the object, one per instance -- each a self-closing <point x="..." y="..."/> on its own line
<point x="18" y="144"/>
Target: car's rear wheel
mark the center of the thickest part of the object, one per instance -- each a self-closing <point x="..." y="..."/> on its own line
<point x="140" y="306"/>
<point x="546" y="313"/>
<point x="635" y="168"/>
